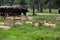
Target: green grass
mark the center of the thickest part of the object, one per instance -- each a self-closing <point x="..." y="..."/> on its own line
<point x="30" y="32"/>
<point x="54" y="11"/>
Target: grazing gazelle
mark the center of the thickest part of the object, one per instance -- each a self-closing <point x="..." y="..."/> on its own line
<point x="49" y="24"/>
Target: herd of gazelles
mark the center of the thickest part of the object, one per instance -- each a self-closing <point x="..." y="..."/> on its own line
<point x="23" y="20"/>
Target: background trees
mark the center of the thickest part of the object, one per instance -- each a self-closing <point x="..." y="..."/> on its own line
<point x="29" y="2"/>
<point x="38" y="4"/>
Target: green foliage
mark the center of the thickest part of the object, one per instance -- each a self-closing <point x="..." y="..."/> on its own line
<point x="1" y="19"/>
<point x="55" y="3"/>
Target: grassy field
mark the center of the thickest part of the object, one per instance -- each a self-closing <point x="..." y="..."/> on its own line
<point x="54" y="11"/>
<point x="31" y="32"/>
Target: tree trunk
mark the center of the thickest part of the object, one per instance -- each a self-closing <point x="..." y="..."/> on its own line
<point x="40" y="5"/>
<point x="50" y="6"/>
<point x="0" y="3"/>
<point x="33" y="8"/>
<point x="30" y="4"/>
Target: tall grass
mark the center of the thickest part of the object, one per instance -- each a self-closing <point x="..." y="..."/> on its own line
<point x="30" y="32"/>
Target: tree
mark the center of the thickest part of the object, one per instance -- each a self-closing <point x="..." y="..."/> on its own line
<point x="50" y="6"/>
<point x="2" y="2"/>
<point x="10" y="2"/>
<point x="40" y="5"/>
<point x="57" y="3"/>
<point x="33" y="8"/>
<point x="30" y="4"/>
